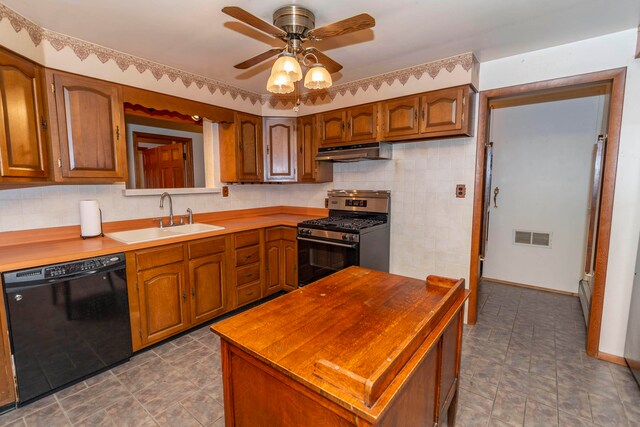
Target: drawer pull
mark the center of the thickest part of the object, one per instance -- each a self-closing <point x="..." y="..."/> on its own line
<point x="248" y="275"/>
<point x="248" y="256"/>
<point x="249" y="293"/>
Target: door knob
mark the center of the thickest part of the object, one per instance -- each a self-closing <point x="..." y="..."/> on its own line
<point x="496" y="191"/>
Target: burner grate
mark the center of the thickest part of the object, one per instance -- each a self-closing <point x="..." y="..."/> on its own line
<point x="345" y="223"/>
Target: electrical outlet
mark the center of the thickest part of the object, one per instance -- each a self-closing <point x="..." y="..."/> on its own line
<point x="461" y="191"/>
<point x="225" y="191"/>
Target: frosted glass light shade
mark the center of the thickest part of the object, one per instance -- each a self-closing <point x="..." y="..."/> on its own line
<point x="288" y="64"/>
<point x="279" y="83"/>
<point x="317" y="77"/>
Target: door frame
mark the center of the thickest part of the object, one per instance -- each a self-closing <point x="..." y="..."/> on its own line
<point x="616" y="78"/>
<point x="164" y="140"/>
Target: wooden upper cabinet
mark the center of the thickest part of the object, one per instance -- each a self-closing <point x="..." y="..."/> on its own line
<point x="309" y="170"/>
<point x="332" y="127"/>
<point x="23" y="148"/>
<point x="400" y="117"/>
<point x="249" y="145"/>
<point x="91" y="136"/>
<point x="362" y="123"/>
<point x="280" y="149"/>
<point x="442" y="110"/>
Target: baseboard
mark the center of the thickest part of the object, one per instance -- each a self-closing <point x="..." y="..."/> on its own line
<point x="522" y="285"/>
<point x="618" y="360"/>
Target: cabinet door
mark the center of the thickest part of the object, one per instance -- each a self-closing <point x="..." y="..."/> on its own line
<point x="274" y="255"/>
<point x="207" y="281"/>
<point x="362" y="123"/>
<point x="442" y="110"/>
<point x="22" y="139"/>
<point x="249" y="139"/>
<point x="91" y="132"/>
<point x="331" y="126"/>
<point x="306" y="149"/>
<point x="400" y="117"/>
<point x="163" y="302"/>
<point x="290" y="264"/>
<point x="7" y="386"/>
<point x="280" y="149"/>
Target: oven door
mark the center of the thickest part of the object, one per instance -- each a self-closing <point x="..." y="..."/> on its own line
<point x="318" y="258"/>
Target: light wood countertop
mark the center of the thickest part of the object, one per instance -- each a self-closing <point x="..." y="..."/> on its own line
<point x="32" y="248"/>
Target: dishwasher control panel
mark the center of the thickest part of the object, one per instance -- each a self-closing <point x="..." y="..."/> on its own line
<point x="64" y="269"/>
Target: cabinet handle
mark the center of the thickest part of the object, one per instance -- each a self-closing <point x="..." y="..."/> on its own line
<point x="59" y="162"/>
<point x="193" y="292"/>
<point x="248" y="256"/>
<point x="117" y="133"/>
<point x="267" y="149"/>
<point x="424" y="116"/>
<point x="249" y="293"/>
<point x="240" y="146"/>
<point x="248" y="275"/>
<point x="415" y="115"/>
<point x="43" y="122"/>
<point x="184" y="296"/>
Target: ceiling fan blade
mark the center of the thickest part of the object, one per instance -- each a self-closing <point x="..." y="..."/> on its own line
<point x="249" y="19"/>
<point x="258" y="59"/>
<point x="331" y="65"/>
<point x="349" y="25"/>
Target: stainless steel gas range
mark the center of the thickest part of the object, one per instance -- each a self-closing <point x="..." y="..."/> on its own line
<point x="356" y="232"/>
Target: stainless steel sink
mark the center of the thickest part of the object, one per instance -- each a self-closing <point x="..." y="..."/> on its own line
<point x="149" y="234"/>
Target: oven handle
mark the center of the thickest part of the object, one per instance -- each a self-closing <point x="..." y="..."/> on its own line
<point x="344" y="245"/>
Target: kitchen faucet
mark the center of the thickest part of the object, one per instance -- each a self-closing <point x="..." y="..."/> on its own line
<point x="162" y="196"/>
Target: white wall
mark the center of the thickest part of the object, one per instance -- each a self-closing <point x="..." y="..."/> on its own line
<point x="601" y="53"/>
<point x="542" y="161"/>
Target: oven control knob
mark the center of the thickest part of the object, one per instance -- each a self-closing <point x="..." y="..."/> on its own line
<point x="345" y="237"/>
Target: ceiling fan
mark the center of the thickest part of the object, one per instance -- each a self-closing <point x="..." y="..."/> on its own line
<point x="295" y="25"/>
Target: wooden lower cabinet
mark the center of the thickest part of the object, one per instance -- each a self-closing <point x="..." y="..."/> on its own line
<point x="248" y="277"/>
<point x="7" y="385"/>
<point x="162" y="291"/>
<point x="281" y="254"/>
<point x="176" y="287"/>
<point x="207" y="280"/>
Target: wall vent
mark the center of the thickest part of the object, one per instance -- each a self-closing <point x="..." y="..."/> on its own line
<point x="531" y="238"/>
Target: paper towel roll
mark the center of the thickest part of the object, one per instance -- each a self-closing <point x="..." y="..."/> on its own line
<point x="90" y="221"/>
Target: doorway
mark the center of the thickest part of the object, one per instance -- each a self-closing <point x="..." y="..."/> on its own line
<point x="608" y="83"/>
<point x="163" y="161"/>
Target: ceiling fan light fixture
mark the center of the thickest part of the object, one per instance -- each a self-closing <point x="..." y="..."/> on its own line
<point x="317" y="77"/>
<point x="280" y="83"/>
<point x="288" y="64"/>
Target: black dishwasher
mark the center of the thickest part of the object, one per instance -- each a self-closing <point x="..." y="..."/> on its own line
<point x="67" y="321"/>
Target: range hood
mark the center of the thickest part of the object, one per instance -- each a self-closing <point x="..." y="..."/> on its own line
<point x="356" y="153"/>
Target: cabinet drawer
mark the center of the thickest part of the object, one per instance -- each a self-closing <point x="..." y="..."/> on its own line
<point x="205" y="247"/>
<point x="278" y="233"/>
<point x="156" y="257"/>
<point x="248" y="255"/>
<point x="247" y="274"/>
<point x="248" y="293"/>
<point x="247" y="238"/>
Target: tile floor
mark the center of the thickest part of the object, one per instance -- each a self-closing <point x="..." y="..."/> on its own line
<point x="522" y="364"/>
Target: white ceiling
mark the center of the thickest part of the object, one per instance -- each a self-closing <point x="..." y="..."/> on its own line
<point x="195" y="36"/>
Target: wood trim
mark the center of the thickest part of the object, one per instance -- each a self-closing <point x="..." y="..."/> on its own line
<point x="552" y="95"/>
<point x="162" y="102"/>
<point x="612" y="358"/>
<point x="523" y="285"/>
<point x="615" y="77"/>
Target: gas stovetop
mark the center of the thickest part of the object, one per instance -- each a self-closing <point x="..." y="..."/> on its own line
<point x="345" y="223"/>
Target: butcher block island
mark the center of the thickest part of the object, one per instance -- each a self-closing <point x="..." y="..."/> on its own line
<point x="357" y="348"/>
